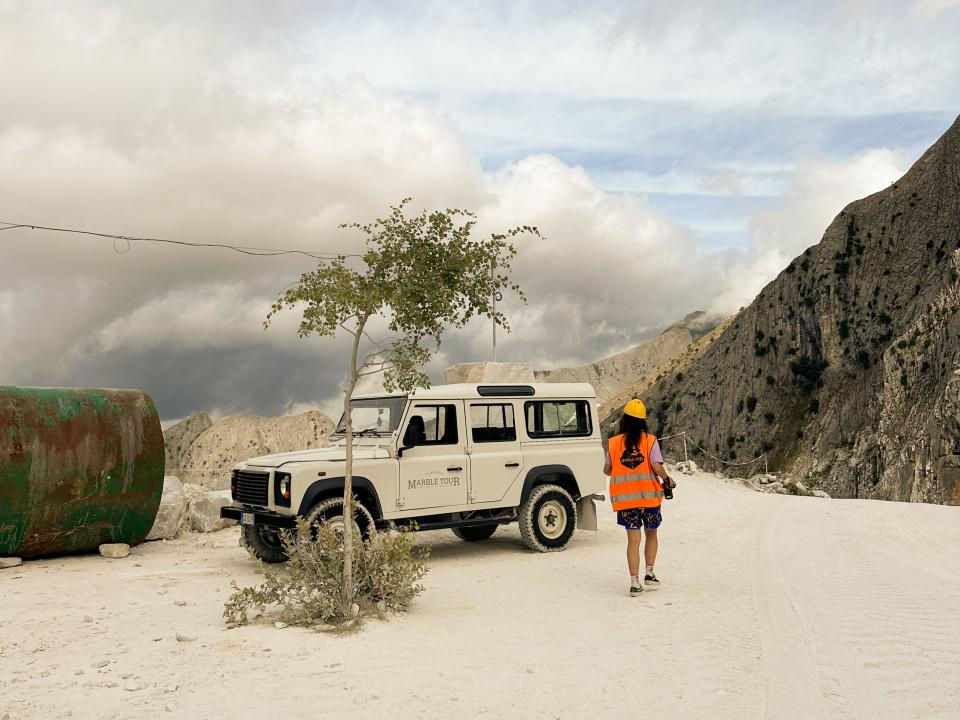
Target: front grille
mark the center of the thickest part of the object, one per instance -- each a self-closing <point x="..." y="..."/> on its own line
<point x="251" y="487"/>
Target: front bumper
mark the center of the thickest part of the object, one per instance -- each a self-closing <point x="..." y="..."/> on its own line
<point x="258" y="517"/>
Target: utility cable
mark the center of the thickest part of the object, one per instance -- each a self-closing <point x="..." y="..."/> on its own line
<point x="129" y="239"/>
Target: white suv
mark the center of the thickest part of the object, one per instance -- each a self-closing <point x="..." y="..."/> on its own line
<point x="464" y="457"/>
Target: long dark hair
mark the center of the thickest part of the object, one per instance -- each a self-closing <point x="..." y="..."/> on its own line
<point x="633" y="428"/>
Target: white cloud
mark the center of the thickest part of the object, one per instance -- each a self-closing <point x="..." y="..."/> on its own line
<point x="934" y="7"/>
<point x="819" y="190"/>
<point x="275" y="169"/>
<point x="814" y="57"/>
<point x="269" y="124"/>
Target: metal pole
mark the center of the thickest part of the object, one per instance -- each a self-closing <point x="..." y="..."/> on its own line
<point x="766" y="466"/>
<point x="683" y="435"/>
<point x="494" y="317"/>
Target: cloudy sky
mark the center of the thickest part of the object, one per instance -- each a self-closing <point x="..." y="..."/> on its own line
<point x="675" y="155"/>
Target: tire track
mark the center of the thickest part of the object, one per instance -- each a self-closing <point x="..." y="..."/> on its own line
<point x="882" y="649"/>
<point x="792" y="678"/>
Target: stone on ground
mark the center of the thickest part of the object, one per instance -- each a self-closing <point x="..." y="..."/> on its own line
<point x="173" y="508"/>
<point x="114" y="551"/>
<point x="203" y="512"/>
<point x="10" y="562"/>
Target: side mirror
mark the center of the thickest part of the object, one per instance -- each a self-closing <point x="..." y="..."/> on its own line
<point x="409" y="443"/>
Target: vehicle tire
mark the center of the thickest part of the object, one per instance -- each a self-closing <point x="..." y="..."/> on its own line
<point x="548" y="518"/>
<point x="475" y="533"/>
<point x="331" y="510"/>
<point x="265" y="543"/>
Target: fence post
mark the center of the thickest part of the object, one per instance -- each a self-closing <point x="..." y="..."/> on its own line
<point x="683" y="436"/>
<point x="766" y="465"/>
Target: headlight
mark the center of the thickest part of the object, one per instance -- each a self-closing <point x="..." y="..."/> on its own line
<point x="282" y="489"/>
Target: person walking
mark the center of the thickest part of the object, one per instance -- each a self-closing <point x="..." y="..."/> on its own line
<point x="635" y="466"/>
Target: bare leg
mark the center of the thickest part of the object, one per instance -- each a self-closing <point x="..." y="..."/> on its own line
<point x="650" y="547"/>
<point x="633" y="551"/>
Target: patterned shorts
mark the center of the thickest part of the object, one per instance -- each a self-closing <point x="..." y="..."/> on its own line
<point x="638" y="518"/>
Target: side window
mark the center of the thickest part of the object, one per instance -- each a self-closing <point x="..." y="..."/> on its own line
<point x="550" y="418"/>
<point x="492" y="423"/>
<point x="432" y="425"/>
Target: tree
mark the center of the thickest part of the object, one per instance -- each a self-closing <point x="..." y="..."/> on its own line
<point x="422" y="274"/>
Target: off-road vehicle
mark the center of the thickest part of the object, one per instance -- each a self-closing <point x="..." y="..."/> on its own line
<point x="464" y="457"/>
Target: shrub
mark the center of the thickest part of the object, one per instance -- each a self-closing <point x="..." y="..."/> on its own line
<point x="308" y="589"/>
<point x="807" y="372"/>
<point x="751" y="403"/>
<point x="863" y="357"/>
<point x="769" y="417"/>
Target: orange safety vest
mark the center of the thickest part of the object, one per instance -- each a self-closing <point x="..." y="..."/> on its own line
<point x="633" y="484"/>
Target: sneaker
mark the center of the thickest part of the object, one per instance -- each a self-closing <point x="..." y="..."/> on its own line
<point x="651" y="580"/>
<point x="635" y="590"/>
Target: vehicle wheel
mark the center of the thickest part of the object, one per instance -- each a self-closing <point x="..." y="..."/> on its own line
<point x="475" y="533"/>
<point x="265" y="543"/>
<point x="548" y="518"/>
<point x="331" y="510"/>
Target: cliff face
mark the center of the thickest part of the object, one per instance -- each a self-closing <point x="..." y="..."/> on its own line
<point x="846" y="368"/>
<point x="178" y="438"/>
<point x="611" y="375"/>
<point x="210" y="454"/>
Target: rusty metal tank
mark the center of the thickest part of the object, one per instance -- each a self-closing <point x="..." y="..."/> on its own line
<point x="78" y="467"/>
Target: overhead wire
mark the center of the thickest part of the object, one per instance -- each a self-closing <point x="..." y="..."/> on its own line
<point x="130" y="239"/>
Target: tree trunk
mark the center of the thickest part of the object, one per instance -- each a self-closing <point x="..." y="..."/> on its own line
<point x="348" y="473"/>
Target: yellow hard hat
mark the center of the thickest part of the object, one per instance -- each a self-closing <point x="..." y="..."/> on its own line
<point x="636" y="409"/>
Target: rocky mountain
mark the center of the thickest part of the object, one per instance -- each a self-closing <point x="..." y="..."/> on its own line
<point x="612" y="374"/>
<point x="211" y="453"/>
<point x="674" y="366"/>
<point x="846" y="368"/>
<point x="178" y="438"/>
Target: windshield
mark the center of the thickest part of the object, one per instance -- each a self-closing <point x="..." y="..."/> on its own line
<point x="375" y="415"/>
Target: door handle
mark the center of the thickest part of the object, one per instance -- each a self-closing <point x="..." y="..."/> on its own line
<point x="454" y="469"/>
<point x="512" y="465"/>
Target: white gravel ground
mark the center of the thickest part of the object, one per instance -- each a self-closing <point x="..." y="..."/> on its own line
<point x="771" y="607"/>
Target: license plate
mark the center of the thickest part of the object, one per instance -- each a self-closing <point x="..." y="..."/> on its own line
<point x="247" y="519"/>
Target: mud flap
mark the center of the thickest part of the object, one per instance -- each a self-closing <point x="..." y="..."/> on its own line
<point x="586" y="513"/>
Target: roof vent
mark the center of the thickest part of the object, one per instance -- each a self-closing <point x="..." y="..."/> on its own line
<point x="505" y="390"/>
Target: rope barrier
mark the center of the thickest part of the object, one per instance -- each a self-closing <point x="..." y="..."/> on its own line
<point x="683" y="435"/>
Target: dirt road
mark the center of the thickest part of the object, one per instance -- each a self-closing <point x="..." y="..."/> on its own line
<point x="771" y="607"/>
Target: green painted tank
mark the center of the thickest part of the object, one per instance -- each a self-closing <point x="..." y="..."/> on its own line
<point x="78" y="468"/>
